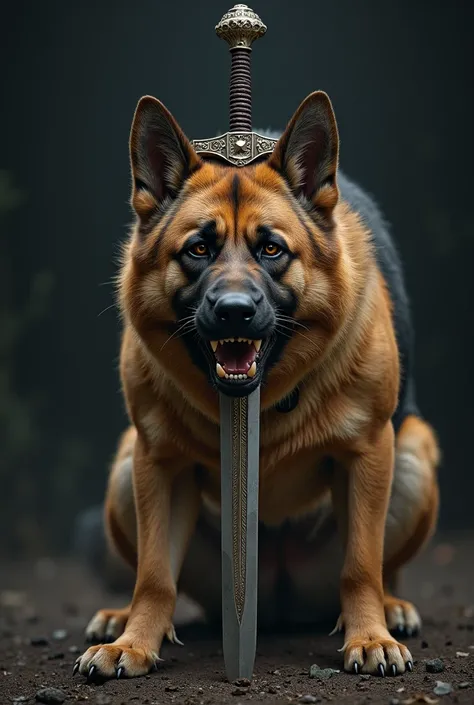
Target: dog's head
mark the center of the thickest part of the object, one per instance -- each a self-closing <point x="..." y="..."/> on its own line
<point x="235" y="272"/>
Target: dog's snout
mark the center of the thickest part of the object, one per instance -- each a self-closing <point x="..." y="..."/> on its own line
<point x="235" y="308"/>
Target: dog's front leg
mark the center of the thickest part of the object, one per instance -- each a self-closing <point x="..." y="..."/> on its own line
<point x="167" y="504"/>
<point x="361" y="492"/>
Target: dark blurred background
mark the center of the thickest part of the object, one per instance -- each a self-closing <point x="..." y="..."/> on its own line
<point x="399" y="73"/>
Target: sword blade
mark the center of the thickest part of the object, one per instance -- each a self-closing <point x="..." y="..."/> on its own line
<point x="240" y="442"/>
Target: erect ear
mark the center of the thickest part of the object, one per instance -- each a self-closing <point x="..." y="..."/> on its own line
<point x="307" y="153"/>
<point x="161" y="157"/>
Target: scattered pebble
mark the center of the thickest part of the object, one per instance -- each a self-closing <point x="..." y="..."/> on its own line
<point x="462" y="654"/>
<point x="365" y="677"/>
<point x="51" y="696"/>
<point x="12" y="598"/>
<point x="74" y="649"/>
<point x="24" y="699"/>
<point x="171" y="688"/>
<point x="239" y="691"/>
<point x="60" y="634"/>
<point x="103" y="699"/>
<point x="309" y="699"/>
<point x="321" y="673"/>
<point x="272" y="690"/>
<point x="242" y="683"/>
<point x="442" y="688"/>
<point x="464" y="685"/>
<point x="436" y="665"/>
<point x="39" y="641"/>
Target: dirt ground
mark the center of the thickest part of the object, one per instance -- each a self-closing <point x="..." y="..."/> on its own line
<point x="44" y="608"/>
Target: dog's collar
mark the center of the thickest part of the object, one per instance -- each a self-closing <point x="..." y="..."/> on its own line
<point x="289" y="402"/>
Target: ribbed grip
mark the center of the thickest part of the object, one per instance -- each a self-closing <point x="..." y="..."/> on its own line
<point x="240" y="91"/>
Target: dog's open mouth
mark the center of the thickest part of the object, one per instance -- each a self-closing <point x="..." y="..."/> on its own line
<point x="236" y="358"/>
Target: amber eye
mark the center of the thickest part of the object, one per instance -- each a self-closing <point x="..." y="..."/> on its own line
<point x="271" y="250"/>
<point x="199" y="250"/>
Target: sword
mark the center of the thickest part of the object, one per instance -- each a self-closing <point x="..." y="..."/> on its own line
<point x="239" y="417"/>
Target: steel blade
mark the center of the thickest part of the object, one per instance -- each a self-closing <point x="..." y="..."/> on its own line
<point x="240" y="442"/>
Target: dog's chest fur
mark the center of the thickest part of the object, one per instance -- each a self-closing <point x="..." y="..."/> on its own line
<point x="292" y="487"/>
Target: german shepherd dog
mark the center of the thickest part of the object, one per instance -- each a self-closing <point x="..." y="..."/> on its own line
<point x="280" y="274"/>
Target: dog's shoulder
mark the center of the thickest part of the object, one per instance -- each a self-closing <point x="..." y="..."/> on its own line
<point x="390" y="265"/>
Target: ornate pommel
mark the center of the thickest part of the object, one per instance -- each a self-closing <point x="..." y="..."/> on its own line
<point x="240" y="27"/>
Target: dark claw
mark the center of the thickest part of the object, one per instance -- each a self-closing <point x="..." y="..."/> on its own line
<point x="409" y="631"/>
<point x="120" y="672"/>
<point x="92" y="639"/>
<point x="381" y="670"/>
<point x="409" y="666"/>
<point x="393" y="670"/>
<point x="356" y="668"/>
<point x="90" y="675"/>
<point x="109" y="638"/>
<point x="75" y="669"/>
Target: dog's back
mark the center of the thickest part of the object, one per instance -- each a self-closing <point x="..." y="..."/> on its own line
<point x="390" y="266"/>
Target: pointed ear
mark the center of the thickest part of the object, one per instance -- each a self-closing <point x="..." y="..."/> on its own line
<point x="306" y="155"/>
<point x="161" y="156"/>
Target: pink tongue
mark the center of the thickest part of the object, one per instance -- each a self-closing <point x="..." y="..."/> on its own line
<point x="236" y="358"/>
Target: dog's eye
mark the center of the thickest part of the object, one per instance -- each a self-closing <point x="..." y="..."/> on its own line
<point x="199" y="250"/>
<point x="271" y="250"/>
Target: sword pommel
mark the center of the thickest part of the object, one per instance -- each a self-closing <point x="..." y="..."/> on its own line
<point x="240" y="27"/>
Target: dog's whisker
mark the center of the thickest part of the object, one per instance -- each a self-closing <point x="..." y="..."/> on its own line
<point x="107" y="308"/>
<point x="181" y="330"/>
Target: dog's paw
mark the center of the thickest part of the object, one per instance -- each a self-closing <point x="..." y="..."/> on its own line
<point x="107" y="625"/>
<point x="402" y="617"/>
<point x="377" y="656"/>
<point x="116" y="661"/>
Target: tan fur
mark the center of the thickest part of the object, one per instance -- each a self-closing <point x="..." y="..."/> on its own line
<point x="345" y="362"/>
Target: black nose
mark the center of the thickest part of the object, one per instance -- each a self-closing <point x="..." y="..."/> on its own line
<point x="235" y="308"/>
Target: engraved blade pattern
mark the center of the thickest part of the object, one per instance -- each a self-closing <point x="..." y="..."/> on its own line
<point x="240" y="418"/>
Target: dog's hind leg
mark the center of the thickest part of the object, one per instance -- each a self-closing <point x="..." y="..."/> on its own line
<point x="412" y="514"/>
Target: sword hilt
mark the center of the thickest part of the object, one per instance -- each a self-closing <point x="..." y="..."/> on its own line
<point x="240" y="27"/>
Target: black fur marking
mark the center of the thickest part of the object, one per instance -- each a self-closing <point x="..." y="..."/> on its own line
<point x="235" y="199"/>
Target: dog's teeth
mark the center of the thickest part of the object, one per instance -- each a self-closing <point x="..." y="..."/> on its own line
<point x="226" y="376"/>
<point x="252" y="369"/>
<point x="220" y="370"/>
<point x="221" y="342"/>
<point x="231" y="376"/>
<point x="258" y="344"/>
<point x="214" y="344"/>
